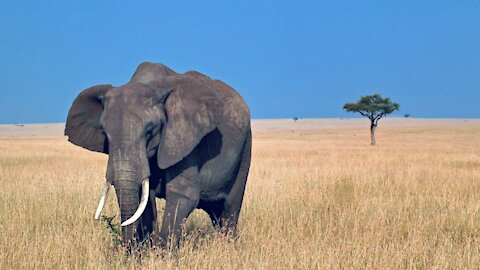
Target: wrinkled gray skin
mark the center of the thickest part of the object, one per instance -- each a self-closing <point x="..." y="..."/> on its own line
<point x="189" y="134"/>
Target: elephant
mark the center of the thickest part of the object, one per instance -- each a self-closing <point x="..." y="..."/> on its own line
<point x="185" y="138"/>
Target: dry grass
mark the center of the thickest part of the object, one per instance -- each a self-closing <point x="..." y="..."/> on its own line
<point x="316" y="199"/>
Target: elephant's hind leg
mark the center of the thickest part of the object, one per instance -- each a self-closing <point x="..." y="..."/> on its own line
<point x="214" y="210"/>
<point x="229" y="213"/>
<point x="222" y="220"/>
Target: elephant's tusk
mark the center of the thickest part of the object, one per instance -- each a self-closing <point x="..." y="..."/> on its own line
<point x="103" y="199"/>
<point x="142" y="205"/>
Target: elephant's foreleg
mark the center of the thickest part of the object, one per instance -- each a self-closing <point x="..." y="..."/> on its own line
<point x="182" y="196"/>
<point x="177" y="209"/>
<point x="148" y="221"/>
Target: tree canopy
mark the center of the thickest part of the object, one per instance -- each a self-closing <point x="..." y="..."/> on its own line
<point x="374" y="107"/>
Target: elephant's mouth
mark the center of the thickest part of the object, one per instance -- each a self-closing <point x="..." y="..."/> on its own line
<point x="141" y="205"/>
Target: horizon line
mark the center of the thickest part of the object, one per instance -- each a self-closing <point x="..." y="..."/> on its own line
<point x="287" y="118"/>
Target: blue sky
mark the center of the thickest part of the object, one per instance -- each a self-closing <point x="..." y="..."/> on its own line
<point x="286" y="58"/>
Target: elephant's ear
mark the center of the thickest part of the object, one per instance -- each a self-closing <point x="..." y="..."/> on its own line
<point x="188" y="121"/>
<point x="83" y="121"/>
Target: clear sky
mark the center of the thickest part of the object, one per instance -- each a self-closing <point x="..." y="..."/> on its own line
<point x="286" y="58"/>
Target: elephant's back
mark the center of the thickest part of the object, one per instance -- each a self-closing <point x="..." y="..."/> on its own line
<point x="227" y="105"/>
<point x="233" y="111"/>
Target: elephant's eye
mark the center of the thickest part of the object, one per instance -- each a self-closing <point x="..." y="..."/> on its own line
<point x="149" y="129"/>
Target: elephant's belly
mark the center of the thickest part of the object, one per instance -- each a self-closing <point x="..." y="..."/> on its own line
<point x="216" y="175"/>
<point x="216" y="179"/>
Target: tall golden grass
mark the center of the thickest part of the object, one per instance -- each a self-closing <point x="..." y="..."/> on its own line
<point x="315" y="199"/>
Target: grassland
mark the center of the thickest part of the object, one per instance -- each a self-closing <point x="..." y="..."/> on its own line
<point x="317" y="198"/>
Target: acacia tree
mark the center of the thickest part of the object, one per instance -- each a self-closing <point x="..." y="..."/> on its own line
<point x="374" y="107"/>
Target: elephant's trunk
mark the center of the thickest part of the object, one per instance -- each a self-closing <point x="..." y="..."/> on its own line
<point x="128" y="168"/>
<point x="142" y="205"/>
<point x="128" y="199"/>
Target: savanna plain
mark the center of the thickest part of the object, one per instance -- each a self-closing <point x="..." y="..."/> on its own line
<point x="318" y="197"/>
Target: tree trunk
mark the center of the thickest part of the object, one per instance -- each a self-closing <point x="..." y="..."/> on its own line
<point x="373" y="126"/>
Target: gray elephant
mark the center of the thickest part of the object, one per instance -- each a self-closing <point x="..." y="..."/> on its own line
<point x="182" y="137"/>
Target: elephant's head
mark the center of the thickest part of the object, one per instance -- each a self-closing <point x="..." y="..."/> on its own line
<point x="133" y="123"/>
